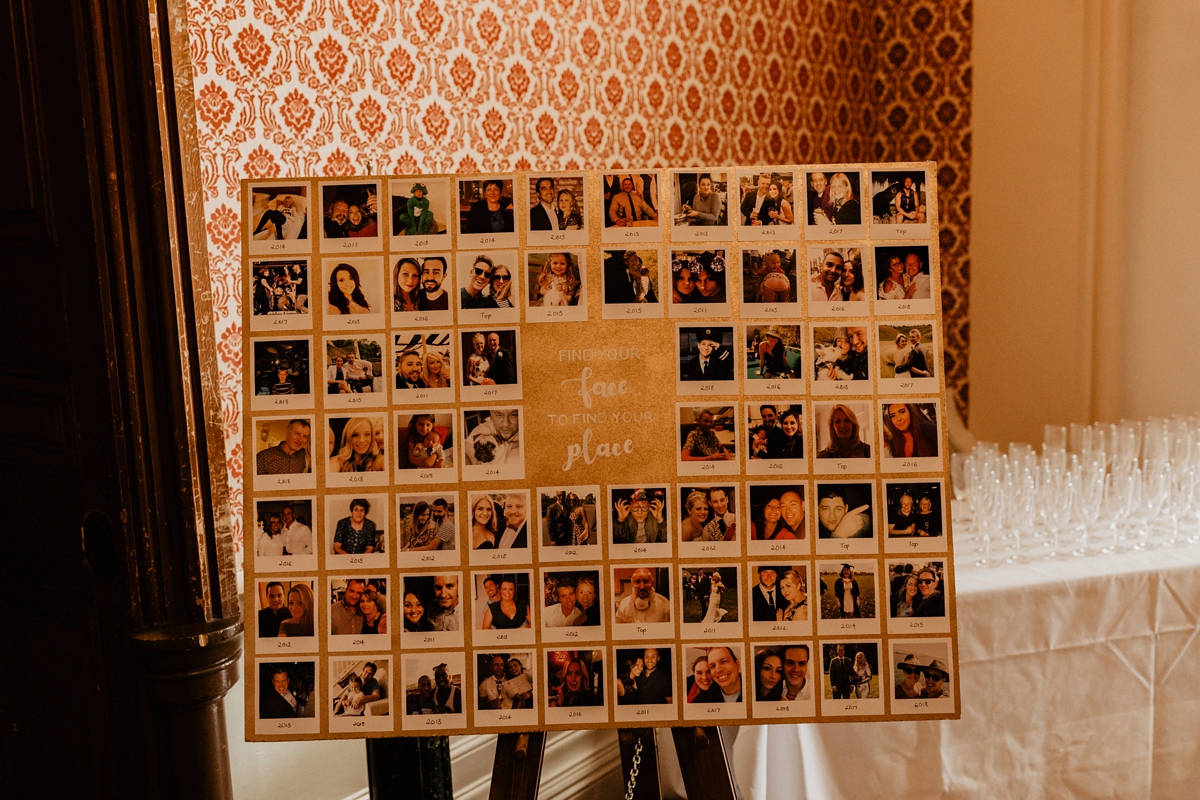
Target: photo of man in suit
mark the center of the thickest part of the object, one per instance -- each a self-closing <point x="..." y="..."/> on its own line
<point x="710" y="359"/>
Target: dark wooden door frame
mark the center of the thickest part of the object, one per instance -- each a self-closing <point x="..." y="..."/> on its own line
<point x="155" y="542"/>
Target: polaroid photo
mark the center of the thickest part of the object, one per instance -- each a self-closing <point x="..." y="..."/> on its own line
<point x="846" y="517"/>
<point x="287" y="615"/>
<point x="557" y="283"/>
<point x="282" y="374"/>
<point x="502" y="609"/>
<point x="508" y="688"/>
<point x="356" y="534"/>
<point x="631" y="208"/>
<point x="639" y="518"/>
<point x="708" y="527"/>
<point x="837" y="281"/>
<point x="641" y="602"/>
<point x="898" y="204"/>
<point x="358" y="613"/>
<point x="700" y="206"/>
<point x="490" y="364"/>
<point x="767" y="210"/>
<point x="422" y="289"/>
<point x="633" y="283"/>
<point x="424" y="371"/>
<point x="283" y="534"/>
<point x="916" y="510"/>
<point x="487" y="213"/>
<point x="833" y="207"/>
<point x="428" y="530"/>
<point x="716" y="686"/>
<point x="644" y="683"/>
<point x="844" y="437"/>
<point x="709" y="601"/>
<point x="421" y="216"/>
<point x="841" y="359"/>
<point x="361" y="688"/>
<point x="433" y="691"/>
<point x="851" y="684"/>
<point x="278" y="217"/>
<point x="775" y="437"/>
<point x="283" y="456"/>
<point x="912" y="436"/>
<point x="569" y="523"/>
<point x="698" y="279"/>
<point x="774" y="361"/>
<point x="783" y="685"/>
<point x="279" y="295"/>
<point x="778" y="522"/>
<point x="922" y="674"/>
<point x="908" y="359"/>
<point x="707" y="359"/>
<point x="289" y="699"/>
<point x="350" y="216"/>
<point x="356" y="298"/>
<point x="575" y="687"/>
<point x="355" y="375"/>
<point x="848" y="598"/>
<point x="779" y="599"/>
<point x="433" y="611"/>
<point x="489" y="287"/>
<point x="499" y="528"/>
<point x="769" y="284"/>
<point x="904" y="284"/>
<point x="570" y="606"/>
<point x="492" y="444"/>
<point x="917" y="595"/>
<point x="557" y="210"/>
<point x="707" y="440"/>
<point x="426" y="446"/>
<point x="357" y="450"/>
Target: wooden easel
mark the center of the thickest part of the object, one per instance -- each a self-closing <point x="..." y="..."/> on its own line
<point x="419" y="768"/>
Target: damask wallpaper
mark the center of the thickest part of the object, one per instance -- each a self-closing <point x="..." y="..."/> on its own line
<point x="343" y="87"/>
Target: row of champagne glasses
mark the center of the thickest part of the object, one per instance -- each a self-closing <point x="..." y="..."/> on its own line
<point x="1100" y="488"/>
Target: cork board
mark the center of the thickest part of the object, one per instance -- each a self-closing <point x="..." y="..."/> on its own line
<point x="536" y="451"/>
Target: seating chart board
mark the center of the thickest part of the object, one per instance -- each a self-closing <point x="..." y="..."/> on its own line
<point x="627" y="448"/>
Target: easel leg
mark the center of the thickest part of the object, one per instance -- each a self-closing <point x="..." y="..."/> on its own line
<point x="518" y="766"/>
<point x="702" y="760"/>
<point x="412" y="768"/>
<point x="646" y="786"/>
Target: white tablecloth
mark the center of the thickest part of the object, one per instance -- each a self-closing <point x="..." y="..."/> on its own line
<point x="1080" y="678"/>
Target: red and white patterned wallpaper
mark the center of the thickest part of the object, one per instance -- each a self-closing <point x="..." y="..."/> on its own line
<point x="342" y="87"/>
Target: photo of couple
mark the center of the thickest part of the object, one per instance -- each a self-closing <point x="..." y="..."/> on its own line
<point x="698" y="277"/>
<point x="766" y="199"/>
<point x="836" y="275"/>
<point x="916" y="591"/>
<point x="776" y="431"/>
<point x="508" y="680"/>
<point x="777" y="511"/>
<point x="906" y="351"/>
<point x="781" y="593"/>
<point x="709" y="513"/>
<point x="351" y="210"/>
<point x="556" y="204"/>
<point x="833" y="199"/>
<point x="914" y="509"/>
<point x="841" y="354"/>
<point x="353" y="366"/>
<point x="423" y="360"/>
<point x="418" y="284"/>
<point x="491" y="358"/>
<point x="568" y="520"/>
<point x="905" y="272"/>
<point x="851" y="670"/>
<point x="427" y="523"/>
<point x="922" y="670"/>
<point x="487" y="283"/>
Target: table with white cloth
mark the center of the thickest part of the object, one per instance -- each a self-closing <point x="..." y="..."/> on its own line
<point x="1080" y="678"/>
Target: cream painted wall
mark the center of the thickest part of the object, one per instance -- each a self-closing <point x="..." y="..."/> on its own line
<point x="1027" y="184"/>
<point x="1086" y="211"/>
<point x="1162" y="281"/>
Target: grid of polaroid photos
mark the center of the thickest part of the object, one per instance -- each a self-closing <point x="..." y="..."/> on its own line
<point x="405" y="579"/>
